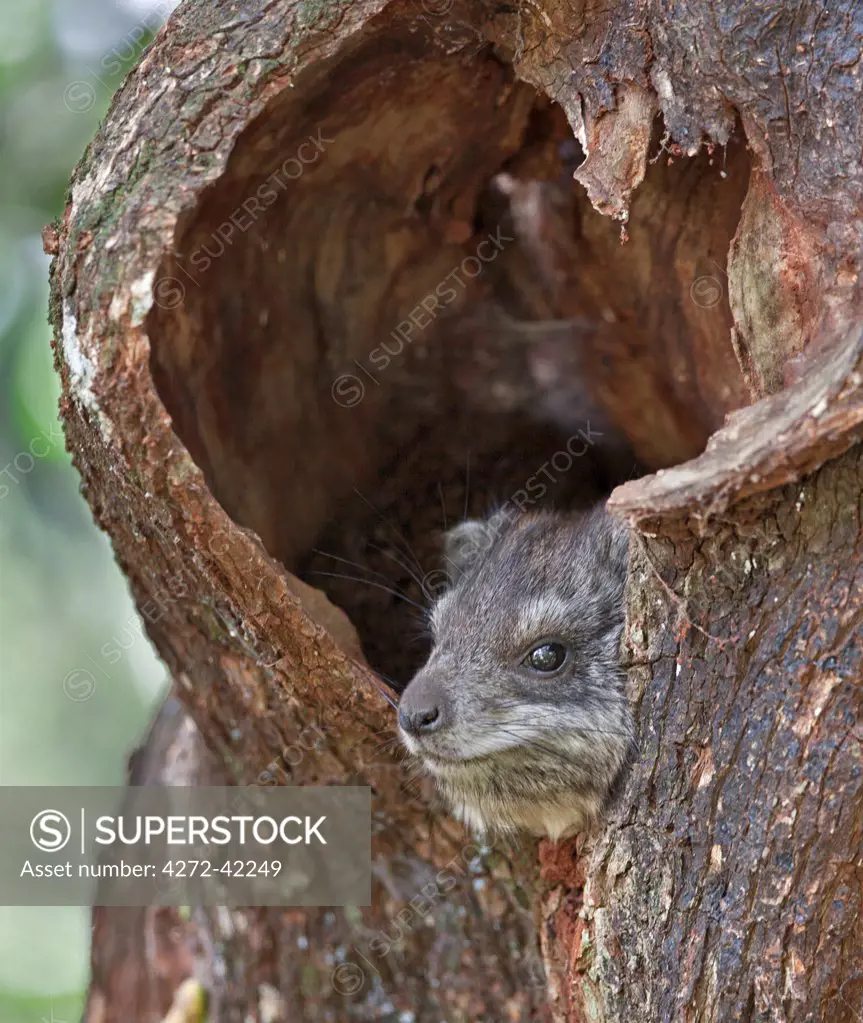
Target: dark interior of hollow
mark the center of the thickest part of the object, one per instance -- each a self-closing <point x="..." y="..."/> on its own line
<point x="347" y="422"/>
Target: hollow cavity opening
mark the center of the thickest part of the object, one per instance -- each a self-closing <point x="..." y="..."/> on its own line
<point x="396" y="309"/>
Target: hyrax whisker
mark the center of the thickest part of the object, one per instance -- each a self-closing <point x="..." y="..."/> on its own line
<point x="385" y="678"/>
<point x="347" y="561"/>
<point x="466" y="485"/>
<point x="442" y="504"/>
<point x="402" y="565"/>
<point x="386" y="745"/>
<point x="399" y="535"/>
<point x="369" y="582"/>
<point x="533" y="744"/>
<point x="375" y="680"/>
<point x="581" y="729"/>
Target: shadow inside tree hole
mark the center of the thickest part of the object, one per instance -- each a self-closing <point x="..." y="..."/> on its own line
<point x="397" y="308"/>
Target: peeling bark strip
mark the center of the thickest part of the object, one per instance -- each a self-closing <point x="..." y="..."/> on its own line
<point x="276" y="188"/>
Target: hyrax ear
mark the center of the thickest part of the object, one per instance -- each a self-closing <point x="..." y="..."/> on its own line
<point x="466" y="543"/>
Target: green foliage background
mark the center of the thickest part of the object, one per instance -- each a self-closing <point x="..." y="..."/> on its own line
<point x="67" y="715"/>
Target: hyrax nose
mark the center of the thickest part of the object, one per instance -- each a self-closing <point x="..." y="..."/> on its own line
<point x="423" y="719"/>
<point x="422" y="707"/>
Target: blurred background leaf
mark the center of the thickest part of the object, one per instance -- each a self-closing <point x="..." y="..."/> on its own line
<point x="78" y="678"/>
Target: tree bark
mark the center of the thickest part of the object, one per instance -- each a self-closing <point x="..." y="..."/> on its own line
<point x="277" y="188"/>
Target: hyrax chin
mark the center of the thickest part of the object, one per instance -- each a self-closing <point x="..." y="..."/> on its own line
<point x="520" y="712"/>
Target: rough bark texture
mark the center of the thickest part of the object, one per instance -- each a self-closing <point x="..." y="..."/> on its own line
<point x="277" y="187"/>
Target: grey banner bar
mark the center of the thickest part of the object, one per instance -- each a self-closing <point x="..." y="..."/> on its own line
<point x="148" y="846"/>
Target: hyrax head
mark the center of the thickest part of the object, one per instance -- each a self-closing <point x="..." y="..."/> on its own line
<point x="520" y="712"/>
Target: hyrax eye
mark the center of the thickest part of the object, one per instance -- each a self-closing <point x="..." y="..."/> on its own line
<point x="546" y="657"/>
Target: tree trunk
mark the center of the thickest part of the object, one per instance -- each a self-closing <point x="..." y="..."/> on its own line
<point x="245" y="330"/>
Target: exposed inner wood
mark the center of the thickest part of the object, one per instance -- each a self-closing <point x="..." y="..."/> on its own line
<point x="410" y="280"/>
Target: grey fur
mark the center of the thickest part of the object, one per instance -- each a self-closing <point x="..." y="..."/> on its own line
<point x="514" y="749"/>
